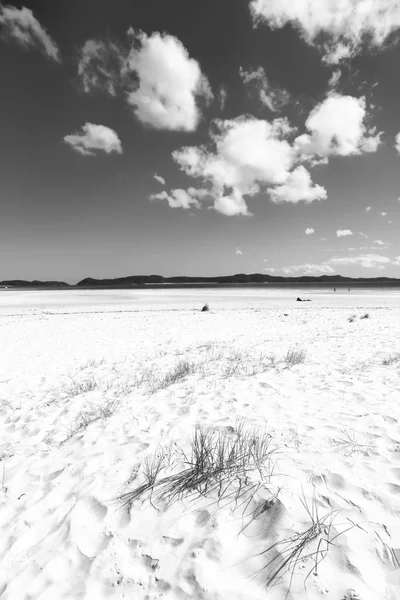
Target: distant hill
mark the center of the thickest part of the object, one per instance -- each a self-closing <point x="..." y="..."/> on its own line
<point x="178" y="281"/>
<point x="16" y="283"/>
<point x="140" y="280"/>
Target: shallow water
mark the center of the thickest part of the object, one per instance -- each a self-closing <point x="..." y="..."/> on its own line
<point x="73" y="301"/>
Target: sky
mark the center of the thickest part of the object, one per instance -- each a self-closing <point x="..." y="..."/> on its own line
<point x="199" y="138"/>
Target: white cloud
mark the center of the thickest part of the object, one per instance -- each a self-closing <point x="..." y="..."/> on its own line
<point x="272" y="96"/>
<point x="384" y="214"/>
<point x="337" y="128"/>
<point x="159" y="179"/>
<point x="21" y="26"/>
<point x="343" y="232"/>
<point x="170" y="82"/>
<point x="397" y="144"/>
<point x="222" y="97"/>
<point x="180" y="198"/>
<point x="298" y="187"/>
<point x="308" y="269"/>
<point x="364" y="235"/>
<point x="100" y="66"/>
<point x="93" y="139"/>
<point x="368" y="209"/>
<point x="310" y="231"/>
<point x="368" y="261"/>
<point x="380" y="243"/>
<point x="339" y="29"/>
<point x="396" y="261"/>
<point x="245" y="153"/>
<point x="334" y="80"/>
<point x="155" y="75"/>
<point x="238" y="252"/>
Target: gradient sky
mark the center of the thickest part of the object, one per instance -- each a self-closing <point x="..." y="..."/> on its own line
<point x="273" y="130"/>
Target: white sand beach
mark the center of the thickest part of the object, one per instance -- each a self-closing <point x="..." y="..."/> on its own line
<point x="101" y="396"/>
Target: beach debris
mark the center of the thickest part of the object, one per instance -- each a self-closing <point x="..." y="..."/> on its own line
<point x="205" y="308"/>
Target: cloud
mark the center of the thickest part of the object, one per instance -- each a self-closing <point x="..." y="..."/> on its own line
<point x="298" y="187"/>
<point x="222" y="97"/>
<point x="100" y="66"/>
<point x="380" y="243"/>
<point x="368" y="261"/>
<point x="238" y="252"/>
<point x="159" y="178"/>
<point x="169" y="82"/>
<point x="180" y="198"/>
<point x="384" y="214"/>
<point x="155" y="75"/>
<point x="245" y="155"/>
<point x="20" y="26"/>
<point x="368" y="208"/>
<point x="337" y="128"/>
<point x="308" y="269"/>
<point x="310" y="231"/>
<point x="364" y="235"/>
<point x="272" y="96"/>
<point x="343" y="232"/>
<point x="334" y="80"/>
<point x="94" y="138"/>
<point x="397" y="144"/>
<point x="340" y="30"/>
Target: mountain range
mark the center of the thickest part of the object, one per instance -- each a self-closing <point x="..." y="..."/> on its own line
<point x="241" y="278"/>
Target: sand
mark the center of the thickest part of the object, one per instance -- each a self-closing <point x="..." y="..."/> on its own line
<point x="90" y="391"/>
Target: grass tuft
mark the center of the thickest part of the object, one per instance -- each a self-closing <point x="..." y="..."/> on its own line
<point x="294" y="357"/>
<point x="391" y="359"/>
<point x="365" y="316"/>
<point x="205" y="308"/>
<point x="91" y="415"/>
<point x="182" y="369"/>
<point x="311" y="545"/>
<point x="75" y="387"/>
<point x="349" y="444"/>
<point x="219" y="464"/>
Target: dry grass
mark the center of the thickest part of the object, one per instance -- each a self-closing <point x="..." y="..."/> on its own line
<point x="349" y="444"/>
<point x="91" y="415"/>
<point x="208" y="360"/>
<point x="92" y="363"/>
<point x="77" y="387"/>
<point x="219" y="465"/>
<point x="295" y="357"/>
<point x="365" y="316"/>
<point x="391" y="359"/>
<point x="309" y="546"/>
<point x="182" y="369"/>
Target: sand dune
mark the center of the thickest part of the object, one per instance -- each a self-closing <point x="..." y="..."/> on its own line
<point x="88" y="399"/>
